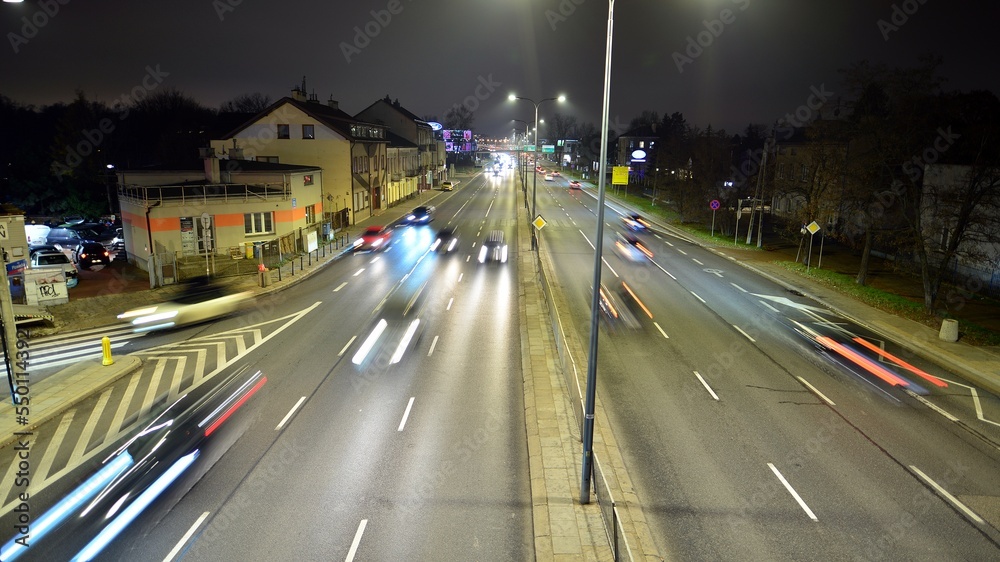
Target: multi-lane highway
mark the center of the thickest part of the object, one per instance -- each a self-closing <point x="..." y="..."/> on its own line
<point x="350" y="450"/>
<point x="758" y="425"/>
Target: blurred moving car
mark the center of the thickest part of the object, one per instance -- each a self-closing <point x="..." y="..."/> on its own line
<point x="548" y="177"/>
<point x="48" y="259"/>
<point x="494" y="248"/>
<point x="574" y="184"/>
<point x="396" y="326"/>
<point x="89" y="254"/>
<point x="202" y="299"/>
<point x="635" y="223"/>
<point x="631" y="248"/>
<point x="445" y="241"/>
<point x="447" y="185"/>
<point x="556" y="174"/>
<point x="373" y="239"/>
<point x="420" y="215"/>
<point x="614" y="310"/>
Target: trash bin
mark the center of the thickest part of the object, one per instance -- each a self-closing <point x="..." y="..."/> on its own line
<point x="264" y="277"/>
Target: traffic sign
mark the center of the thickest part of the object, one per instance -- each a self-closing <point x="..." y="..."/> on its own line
<point x="813" y="227"/>
<point x="548" y="149"/>
<point x="714" y="205"/>
<point x="528" y="148"/>
<point x="619" y="175"/>
<point x="539" y="222"/>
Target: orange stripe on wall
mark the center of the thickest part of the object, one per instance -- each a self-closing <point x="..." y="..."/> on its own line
<point x="290" y="215"/>
<point x="169" y="224"/>
<point x="230" y="219"/>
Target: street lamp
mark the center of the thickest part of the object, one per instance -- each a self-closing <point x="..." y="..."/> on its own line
<point x="534" y="175"/>
<point x="522" y="166"/>
<point x="588" y="406"/>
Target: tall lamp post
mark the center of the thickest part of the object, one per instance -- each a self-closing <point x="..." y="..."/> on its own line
<point x="522" y="166"/>
<point x="534" y="175"/>
<point x="588" y="407"/>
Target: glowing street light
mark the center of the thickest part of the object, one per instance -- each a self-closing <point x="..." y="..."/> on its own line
<point x="534" y="177"/>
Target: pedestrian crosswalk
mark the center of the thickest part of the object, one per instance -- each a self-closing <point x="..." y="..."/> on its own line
<point x="50" y="352"/>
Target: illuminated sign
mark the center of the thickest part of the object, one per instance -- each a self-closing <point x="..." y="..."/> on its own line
<point x="435" y="125"/>
<point x="639" y="155"/>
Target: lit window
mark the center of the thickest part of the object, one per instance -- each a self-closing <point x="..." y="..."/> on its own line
<point x="257" y="223"/>
<point x="308" y="131"/>
<point x="310" y="214"/>
<point x="307" y="179"/>
<point x="283" y="131"/>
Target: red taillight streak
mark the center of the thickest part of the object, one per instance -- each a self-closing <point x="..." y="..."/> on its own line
<point x="934" y="380"/>
<point x="215" y="425"/>
<point x="863" y="362"/>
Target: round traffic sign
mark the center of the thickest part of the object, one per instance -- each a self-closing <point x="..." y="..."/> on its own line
<point x="714" y="204"/>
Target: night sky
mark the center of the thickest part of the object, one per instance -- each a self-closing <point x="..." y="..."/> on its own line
<point x="433" y="54"/>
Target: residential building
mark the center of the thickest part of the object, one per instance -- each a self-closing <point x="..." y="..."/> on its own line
<point x="637" y="150"/>
<point x="298" y="130"/>
<point x="223" y="209"/>
<point x="404" y="123"/>
<point x="809" y="174"/>
<point x="403" y="168"/>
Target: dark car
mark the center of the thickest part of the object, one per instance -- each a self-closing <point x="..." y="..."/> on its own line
<point x="445" y="241"/>
<point x="96" y="232"/>
<point x="64" y="238"/>
<point x="494" y="248"/>
<point x="89" y="254"/>
<point x="373" y="239"/>
<point x="420" y="215"/>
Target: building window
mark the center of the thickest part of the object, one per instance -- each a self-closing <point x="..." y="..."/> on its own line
<point x="283" y="131"/>
<point x="310" y="214"/>
<point x="781" y="171"/>
<point x="257" y="223"/>
<point x="270" y="159"/>
<point x="307" y="179"/>
<point x="805" y="173"/>
<point x="308" y="131"/>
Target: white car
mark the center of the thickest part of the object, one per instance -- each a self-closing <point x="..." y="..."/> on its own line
<point x="200" y="302"/>
<point x="548" y="177"/>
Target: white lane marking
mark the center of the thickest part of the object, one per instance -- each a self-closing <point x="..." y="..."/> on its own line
<point x="658" y="236"/>
<point x="661" y="330"/>
<point x="433" y="344"/>
<point x="88" y="430"/>
<point x="449" y="303"/>
<point x="187" y="536"/>
<point x="697" y="297"/>
<point x="488" y="209"/>
<point x="930" y="404"/>
<point x="460" y="275"/>
<point x="341" y="286"/>
<point x="792" y="491"/>
<point x="467" y="258"/>
<point x="683" y="252"/>
<point x="740" y="330"/>
<point x="406" y="414"/>
<point x="975" y="400"/>
<point x="358" y="272"/>
<point x="696" y="261"/>
<point x="816" y="391"/>
<point x="738" y="287"/>
<point x="668" y="243"/>
<point x="609" y="267"/>
<point x="375" y="259"/>
<point x="357" y="541"/>
<point x="972" y="515"/>
<point x="53" y="448"/>
<point x="587" y="239"/>
<point x="348" y="344"/>
<point x="289" y="414"/>
<point x="705" y="384"/>
<point x="116" y="423"/>
<point x="769" y="306"/>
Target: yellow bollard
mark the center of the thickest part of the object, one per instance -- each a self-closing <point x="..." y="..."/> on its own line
<point x="106" y="349"/>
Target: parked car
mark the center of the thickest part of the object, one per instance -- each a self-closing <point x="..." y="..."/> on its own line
<point x="89" y="254"/>
<point x="64" y="238"/>
<point x="447" y="185"/>
<point x="56" y="260"/>
<point x="373" y="239"/>
<point x="37" y="234"/>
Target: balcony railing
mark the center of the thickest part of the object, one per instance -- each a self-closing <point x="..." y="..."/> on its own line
<point x="165" y="195"/>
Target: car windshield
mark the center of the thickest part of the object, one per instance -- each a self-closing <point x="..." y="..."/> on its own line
<point x="52" y="259"/>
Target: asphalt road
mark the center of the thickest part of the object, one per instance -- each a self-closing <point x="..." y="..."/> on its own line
<point x="716" y="403"/>
<point x="421" y="459"/>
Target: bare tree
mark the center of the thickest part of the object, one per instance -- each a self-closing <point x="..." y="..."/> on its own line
<point x="247" y="103"/>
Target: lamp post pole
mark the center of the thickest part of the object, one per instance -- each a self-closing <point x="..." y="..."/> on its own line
<point x="534" y="175"/>
<point x="588" y="408"/>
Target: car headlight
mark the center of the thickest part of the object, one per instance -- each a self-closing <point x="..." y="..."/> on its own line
<point x="410" y="217"/>
<point x="482" y="254"/>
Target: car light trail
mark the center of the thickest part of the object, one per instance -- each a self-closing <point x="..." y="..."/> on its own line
<point x="136" y="508"/>
<point x="235" y="407"/>
<point x="639" y="302"/>
<point x="53" y="517"/>
<point x="934" y="380"/>
<point x="369" y="342"/>
<point x="405" y="342"/>
<point x="863" y="362"/>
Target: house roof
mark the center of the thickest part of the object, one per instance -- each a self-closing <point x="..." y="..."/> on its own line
<point x="399" y="109"/>
<point x="240" y="166"/>
<point x="645" y="131"/>
<point x="332" y="117"/>
<point x="397" y="141"/>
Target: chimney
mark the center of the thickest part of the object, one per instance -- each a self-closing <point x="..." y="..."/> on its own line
<point x="298" y="95"/>
<point x="332" y="102"/>
<point x="212" y="170"/>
